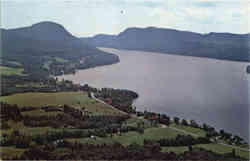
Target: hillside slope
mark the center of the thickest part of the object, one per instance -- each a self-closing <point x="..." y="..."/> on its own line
<point x="41" y="51"/>
<point x="46" y="39"/>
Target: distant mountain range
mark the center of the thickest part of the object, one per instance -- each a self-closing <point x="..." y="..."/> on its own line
<point x="213" y="45"/>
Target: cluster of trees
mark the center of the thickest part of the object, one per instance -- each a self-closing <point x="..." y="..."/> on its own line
<point x="210" y="131"/>
<point x="16" y="139"/>
<point x="115" y="152"/>
<point x="65" y="120"/>
<point x="231" y="139"/>
<point x="184" y="122"/>
<point x="121" y="99"/>
<point x="19" y="84"/>
<point x="155" y="118"/>
<point x="10" y="112"/>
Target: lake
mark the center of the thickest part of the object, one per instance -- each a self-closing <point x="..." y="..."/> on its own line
<point x="206" y="90"/>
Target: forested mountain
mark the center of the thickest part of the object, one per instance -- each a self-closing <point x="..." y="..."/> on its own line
<point x="45" y="38"/>
<point x="213" y="45"/>
<point x="35" y="53"/>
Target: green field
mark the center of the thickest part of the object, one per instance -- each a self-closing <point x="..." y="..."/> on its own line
<point x="221" y="149"/>
<point x="190" y="129"/>
<point x="10" y="151"/>
<point x="177" y="150"/>
<point x="61" y="60"/>
<point x="11" y="71"/>
<point x="155" y="133"/>
<point x="75" y="99"/>
<point x="40" y="112"/>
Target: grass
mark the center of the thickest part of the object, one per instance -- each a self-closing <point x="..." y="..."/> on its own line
<point x="75" y="99"/>
<point x="32" y="85"/>
<point x="190" y="129"/>
<point x="28" y="130"/>
<point x="40" y="112"/>
<point x="177" y="150"/>
<point x="14" y="126"/>
<point x="10" y="151"/>
<point x="132" y="137"/>
<point x="61" y="60"/>
<point x="11" y="71"/>
<point x="221" y="149"/>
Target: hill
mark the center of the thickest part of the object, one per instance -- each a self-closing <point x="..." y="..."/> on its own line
<point x="213" y="45"/>
<point x="46" y="39"/>
<point x="42" y="50"/>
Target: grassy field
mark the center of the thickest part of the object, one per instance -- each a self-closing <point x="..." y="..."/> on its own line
<point x="177" y="150"/>
<point x="10" y="151"/>
<point x="190" y="129"/>
<point x="76" y="99"/>
<point x="132" y="137"/>
<point x="61" y="60"/>
<point x="10" y="71"/>
<point x="221" y="149"/>
<point x="40" y="112"/>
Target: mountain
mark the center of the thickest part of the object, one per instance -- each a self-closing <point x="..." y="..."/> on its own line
<point x="43" y="37"/>
<point x="213" y="45"/>
<point x="48" y="39"/>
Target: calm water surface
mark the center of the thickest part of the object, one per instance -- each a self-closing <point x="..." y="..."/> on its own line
<point x="206" y="90"/>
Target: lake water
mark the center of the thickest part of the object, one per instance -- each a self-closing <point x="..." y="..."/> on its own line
<point x="206" y="90"/>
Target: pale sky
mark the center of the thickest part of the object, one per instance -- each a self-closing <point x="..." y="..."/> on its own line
<point x="90" y="17"/>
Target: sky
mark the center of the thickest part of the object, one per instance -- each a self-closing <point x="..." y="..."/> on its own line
<point x="90" y="17"/>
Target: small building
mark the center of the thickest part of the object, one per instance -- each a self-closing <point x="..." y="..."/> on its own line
<point x="93" y="137"/>
<point x="58" y="142"/>
<point x="108" y="101"/>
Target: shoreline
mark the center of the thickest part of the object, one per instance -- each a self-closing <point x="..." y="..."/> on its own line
<point x="169" y="54"/>
<point x="113" y="51"/>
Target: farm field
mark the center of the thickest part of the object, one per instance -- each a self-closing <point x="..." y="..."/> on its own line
<point x="11" y="71"/>
<point x="75" y="99"/>
<point x="190" y="129"/>
<point x="128" y="138"/>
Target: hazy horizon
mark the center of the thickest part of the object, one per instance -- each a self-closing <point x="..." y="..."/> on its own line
<point x="90" y="17"/>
